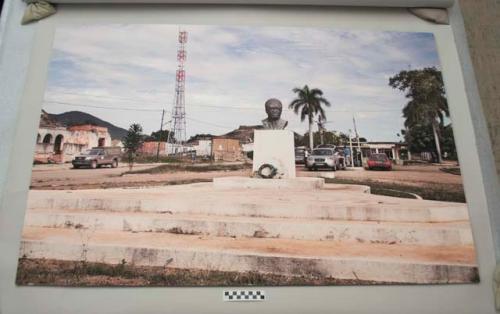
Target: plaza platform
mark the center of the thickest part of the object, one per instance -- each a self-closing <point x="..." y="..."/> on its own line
<point x="325" y="230"/>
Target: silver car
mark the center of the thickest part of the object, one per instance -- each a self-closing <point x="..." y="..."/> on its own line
<point x="322" y="158"/>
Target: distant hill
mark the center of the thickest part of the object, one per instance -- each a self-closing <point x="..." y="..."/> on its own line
<point x="72" y="118"/>
<point x="244" y="133"/>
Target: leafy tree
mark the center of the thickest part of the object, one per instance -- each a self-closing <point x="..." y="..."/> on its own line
<point x="427" y="105"/>
<point x="132" y="142"/>
<point x="420" y="138"/>
<point x="309" y="103"/>
<point x="158" y="136"/>
<point x="329" y="137"/>
<point x="203" y="136"/>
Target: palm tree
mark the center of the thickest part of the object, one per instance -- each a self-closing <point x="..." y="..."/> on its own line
<point x="309" y="102"/>
<point x="427" y="105"/>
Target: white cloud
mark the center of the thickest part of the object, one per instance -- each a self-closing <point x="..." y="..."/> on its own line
<point x="133" y="66"/>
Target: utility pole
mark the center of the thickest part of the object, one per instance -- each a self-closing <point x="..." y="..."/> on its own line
<point x="321" y="129"/>
<point x="350" y="145"/>
<point x="159" y="137"/>
<point x="357" y="137"/>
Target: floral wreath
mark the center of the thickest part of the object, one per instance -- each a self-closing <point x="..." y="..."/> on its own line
<point x="272" y="171"/>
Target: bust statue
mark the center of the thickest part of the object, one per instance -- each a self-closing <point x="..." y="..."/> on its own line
<point x="273" y="110"/>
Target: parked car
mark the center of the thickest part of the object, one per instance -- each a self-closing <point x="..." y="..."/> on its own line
<point x="338" y="153"/>
<point x="323" y="158"/>
<point x="97" y="157"/>
<point x="300" y="155"/>
<point x="379" y="161"/>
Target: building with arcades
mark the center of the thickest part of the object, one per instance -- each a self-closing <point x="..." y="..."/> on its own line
<point x="57" y="143"/>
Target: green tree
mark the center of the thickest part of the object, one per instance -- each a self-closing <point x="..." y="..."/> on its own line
<point x="203" y="136"/>
<point x="329" y="137"/>
<point x="159" y="136"/>
<point x="309" y="103"/>
<point x="132" y="142"/>
<point x="419" y="138"/>
<point x="427" y="105"/>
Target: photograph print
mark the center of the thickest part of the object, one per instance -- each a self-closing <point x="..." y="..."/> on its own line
<point x="204" y="155"/>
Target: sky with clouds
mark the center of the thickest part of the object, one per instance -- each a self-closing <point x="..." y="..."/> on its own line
<point x="126" y="73"/>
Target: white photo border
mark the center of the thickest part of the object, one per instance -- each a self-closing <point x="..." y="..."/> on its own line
<point x="22" y="99"/>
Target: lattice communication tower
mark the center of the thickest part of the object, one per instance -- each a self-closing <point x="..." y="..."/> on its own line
<point x="178" y="122"/>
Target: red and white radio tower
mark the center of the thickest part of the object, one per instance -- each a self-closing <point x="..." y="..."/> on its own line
<point x="178" y="122"/>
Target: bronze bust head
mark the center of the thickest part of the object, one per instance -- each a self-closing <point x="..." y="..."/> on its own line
<point x="273" y="110"/>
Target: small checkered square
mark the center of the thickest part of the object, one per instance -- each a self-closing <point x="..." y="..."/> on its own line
<point x="243" y="295"/>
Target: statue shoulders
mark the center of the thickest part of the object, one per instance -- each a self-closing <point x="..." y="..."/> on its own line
<point x="276" y="125"/>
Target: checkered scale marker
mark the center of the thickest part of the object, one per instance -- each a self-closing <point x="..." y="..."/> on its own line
<point x="244" y="295"/>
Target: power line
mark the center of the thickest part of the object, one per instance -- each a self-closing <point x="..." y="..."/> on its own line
<point x="209" y="123"/>
<point x="100" y="107"/>
<point x="110" y="97"/>
<point x="132" y="109"/>
<point x="212" y="106"/>
<point x="155" y="102"/>
<point x="363" y="111"/>
<point x="160" y="103"/>
<point x="160" y="110"/>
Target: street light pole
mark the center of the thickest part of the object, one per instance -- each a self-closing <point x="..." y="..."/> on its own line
<point x="350" y="145"/>
<point x="321" y="129"/>
<point x="357" y="137"/>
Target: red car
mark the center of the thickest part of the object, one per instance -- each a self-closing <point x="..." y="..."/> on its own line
<point x="379" y="161"/>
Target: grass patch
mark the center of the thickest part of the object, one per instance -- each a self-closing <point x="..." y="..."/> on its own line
<point x="190" y="167"/>
<point x="147" y="159"/>
<point x="436" y="192"/>
<point x="114" y="185"/>
<point x="390" y="192"/>
<point x="73" y="273"/>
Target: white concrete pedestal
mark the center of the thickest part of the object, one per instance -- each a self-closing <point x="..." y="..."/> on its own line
<point x="301" y="184"/>
<point x="275" y="147"/>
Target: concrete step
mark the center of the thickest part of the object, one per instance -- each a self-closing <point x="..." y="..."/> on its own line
<point x="376" y="262"/>
<point x="273" y="184"/>
<point x="333" y="202"/>
<point x="456" y="233"/>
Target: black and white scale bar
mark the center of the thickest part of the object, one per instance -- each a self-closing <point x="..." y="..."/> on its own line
<point x="243" y="295"/>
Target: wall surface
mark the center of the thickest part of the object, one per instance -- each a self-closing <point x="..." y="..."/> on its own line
<point x="482" y="25"/>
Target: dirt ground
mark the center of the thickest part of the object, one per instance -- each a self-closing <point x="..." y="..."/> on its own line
<point x="410" y="175"/>
<point x="64" y="177"/>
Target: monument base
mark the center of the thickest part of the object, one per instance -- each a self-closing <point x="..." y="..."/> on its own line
<point x="228" y="183"/>
<point x="276" y="148"/>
